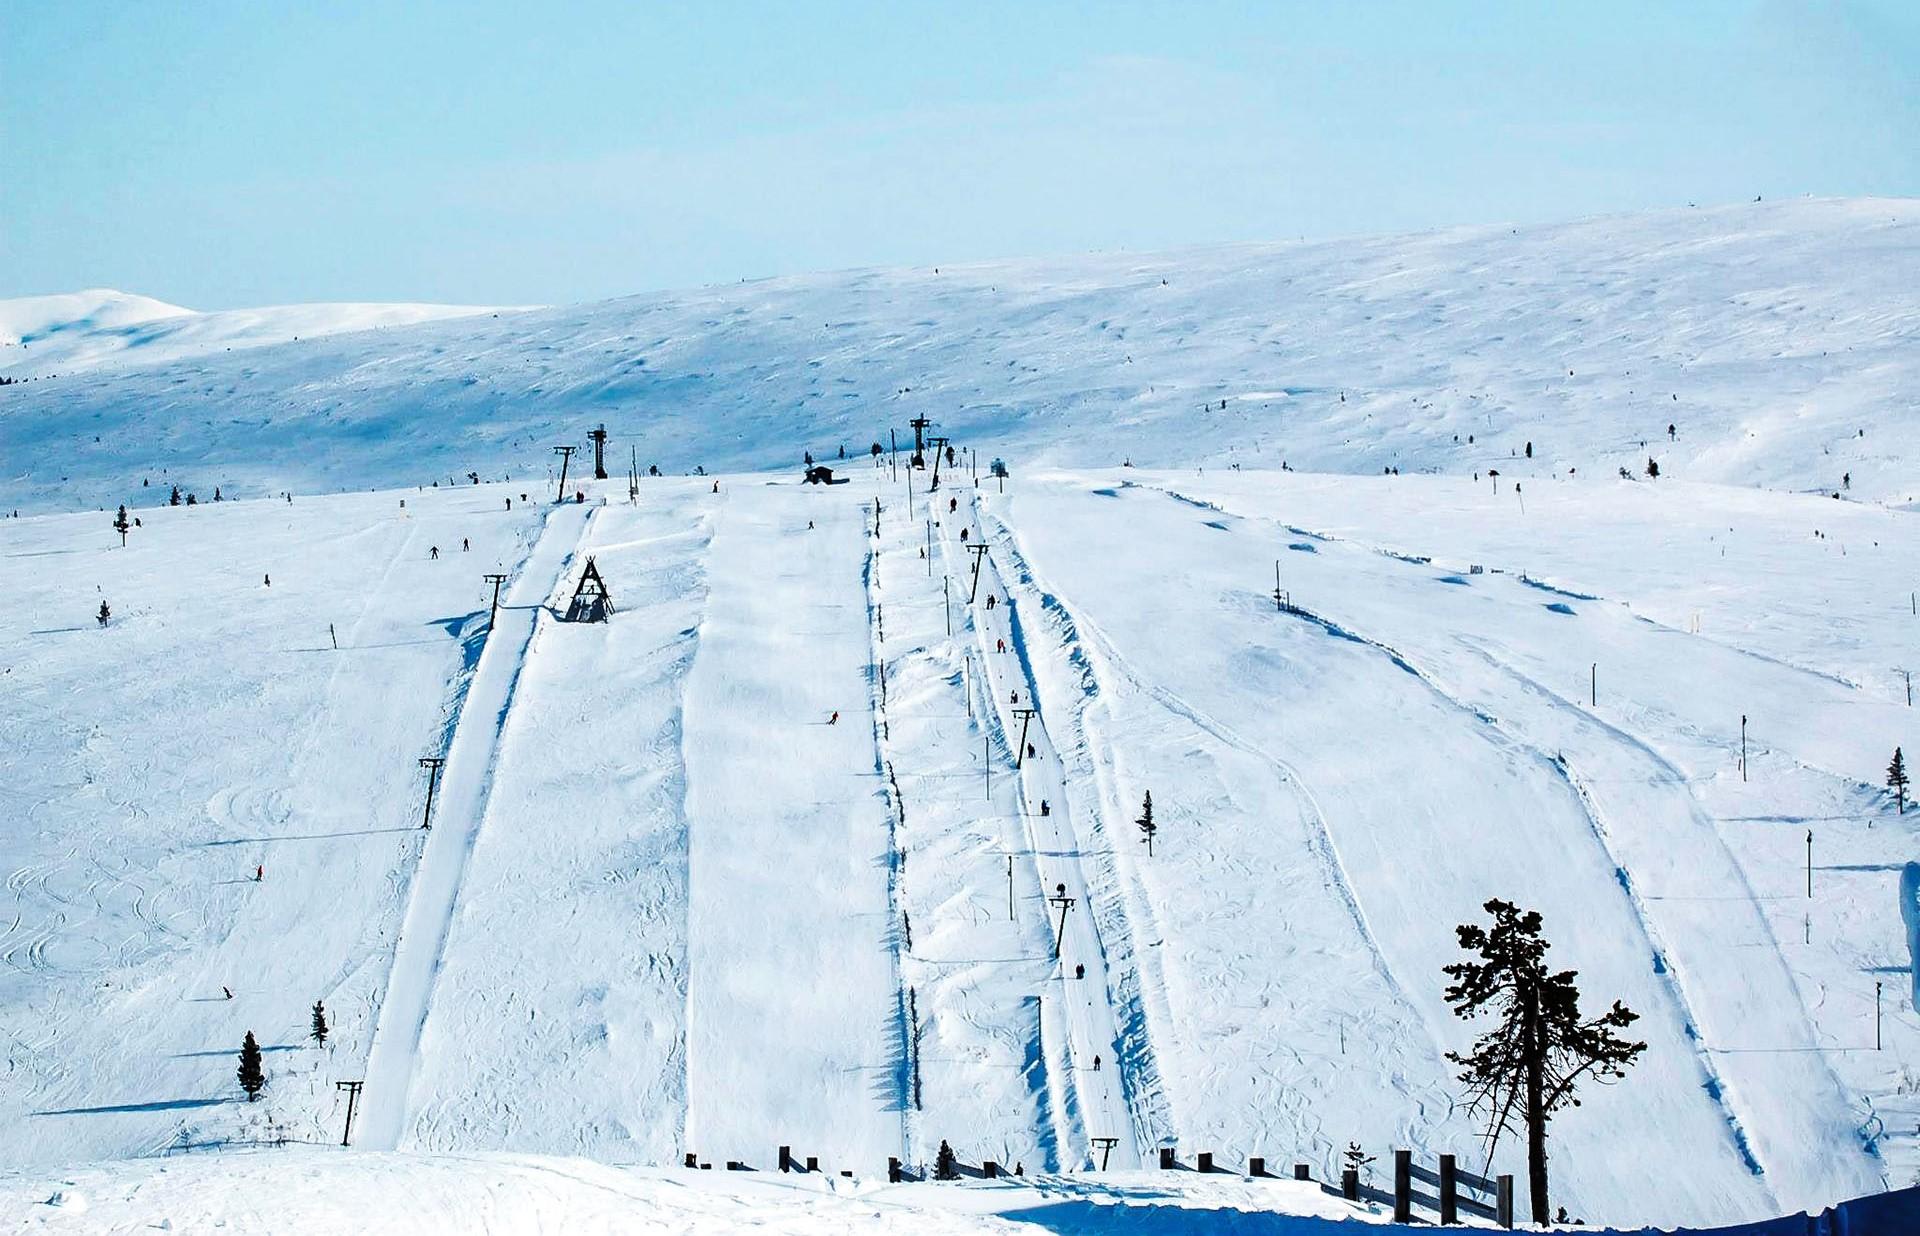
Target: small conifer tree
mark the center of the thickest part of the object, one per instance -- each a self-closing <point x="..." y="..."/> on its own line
<point x="1147" y="827"/>
<point x="1359" y="1161"/>
<point x="121" y="525"/>
<point x="253" y="1078"/>
<point x="173" y="499"/>
<point x="320" y="1030"/>
<point x="945" y="1166"/>
<point x="1653" y="467"/>
<point x="1897" y="779"/>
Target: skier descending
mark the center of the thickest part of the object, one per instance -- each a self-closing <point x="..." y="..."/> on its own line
<point x="104" y="614"/>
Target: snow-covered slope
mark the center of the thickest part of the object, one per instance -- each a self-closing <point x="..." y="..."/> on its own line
<point x="1770" y="335"/>
<point x="779" y="856"/>
<point x="48" y="336"/>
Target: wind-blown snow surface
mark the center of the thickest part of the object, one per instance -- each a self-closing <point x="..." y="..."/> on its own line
<point x="1769" y="334"/>
<point x="42" y="336"/>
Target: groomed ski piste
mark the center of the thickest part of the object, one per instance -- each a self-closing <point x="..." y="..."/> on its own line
<point x="763" y="861"/>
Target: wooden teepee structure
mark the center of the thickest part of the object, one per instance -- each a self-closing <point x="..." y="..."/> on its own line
<point x="591" y="600"/>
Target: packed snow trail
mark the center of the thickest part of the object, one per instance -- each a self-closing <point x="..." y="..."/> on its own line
<point x="977" y="950"/>
<point x="1096" y="1052"/>
<point x="793" y="1031"/>
<point x="459" y="807"/>
<point x="558" y="1014"/>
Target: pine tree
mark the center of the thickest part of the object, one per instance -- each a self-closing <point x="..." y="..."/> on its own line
<point x="319" y="1033"/>
<point x="1897" y="779"/>
<point x="1359" y="1160"/>
<point x="121" y="525"/>
<point x="1653" y="468"/>
<point x="1147" y="827"/>
<point x="945" y="1166"/>
<point x="173" y="499"/>
<point x="1526" y="1067"/>
<point x="253" y="1078"/>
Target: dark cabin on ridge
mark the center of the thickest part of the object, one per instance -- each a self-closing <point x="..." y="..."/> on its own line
<point x="820" y="474"/>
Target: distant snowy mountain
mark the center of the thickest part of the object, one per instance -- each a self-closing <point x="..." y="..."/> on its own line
<point x="79" y="331"/>
<point x="1770" y="336"/>
<point x="29" y="321"/>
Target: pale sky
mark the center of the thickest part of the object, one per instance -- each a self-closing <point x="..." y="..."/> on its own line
<point x="219" y="155"/>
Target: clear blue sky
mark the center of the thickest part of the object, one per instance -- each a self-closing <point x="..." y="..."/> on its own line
<point x="225" y="154"/>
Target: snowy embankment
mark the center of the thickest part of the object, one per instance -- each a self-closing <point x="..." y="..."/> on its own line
<point x="1768" y="334"/>
<point x="316" y="1191"/>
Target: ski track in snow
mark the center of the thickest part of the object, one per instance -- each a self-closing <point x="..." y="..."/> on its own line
<point x="1107" y="666"/>
<point x="1101" y="930"/>
<point x="1680" y="937"/>
<point x="460" y="808"/>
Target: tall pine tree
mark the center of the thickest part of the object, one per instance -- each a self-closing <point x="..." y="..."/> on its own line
<point x="121" y="525"/>
<point x="1897" y="779"/>
<point x="320" y="1031"/>
<point x="1527" y="1066"/>
<point x="253" y="1078"/>
<point x="1147" y="827"/>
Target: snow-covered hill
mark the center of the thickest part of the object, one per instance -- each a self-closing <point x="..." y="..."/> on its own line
<point x="48" y="336"/>
<point x="1769" y="335"/>
<point x="827" y="839"/>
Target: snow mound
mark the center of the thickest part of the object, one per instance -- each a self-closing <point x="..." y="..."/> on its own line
<point x="78" y="331"/>
<point x="33" y="320"/>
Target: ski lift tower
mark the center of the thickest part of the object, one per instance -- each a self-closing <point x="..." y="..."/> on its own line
<point x="599" y="437"/>
<point x="920" y="426"/>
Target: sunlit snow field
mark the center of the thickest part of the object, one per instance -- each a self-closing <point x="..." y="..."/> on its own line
<point x="761" y="861"/>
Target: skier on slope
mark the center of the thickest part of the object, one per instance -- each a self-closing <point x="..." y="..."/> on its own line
<point x="834" y="719"/>
<point x="104" y="614"/>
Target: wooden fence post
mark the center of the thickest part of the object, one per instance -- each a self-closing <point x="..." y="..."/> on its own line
<point x="1166" y="1158"/>
<point x="989" y="1169"/>
<point x="1403" y="1186"/>
<point x="813" y="1163"/>
<point x="893" y="1169"/>
<point x="786" y="1158"/>
<point x="1504" y="1206"/>
<point x="1449" y="1191"/>
<point x="1350" y="1184"/>
<point x="1203" y="1162"/>
<point x="1256" y="1166"/>
<point x="1302" y="1172"/>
